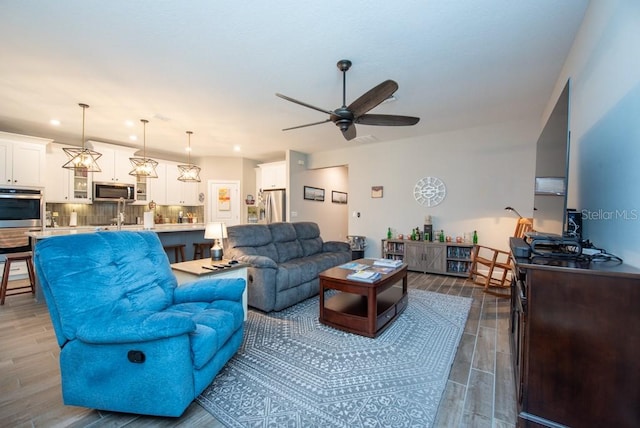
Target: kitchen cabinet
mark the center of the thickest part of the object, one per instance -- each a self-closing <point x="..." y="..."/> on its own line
<point x="179" y="192"/>
<point x="114" y="163"/>
<point x="22" y="159"/>
<point x="65" y="185"/>
<point x="273" y="175"/>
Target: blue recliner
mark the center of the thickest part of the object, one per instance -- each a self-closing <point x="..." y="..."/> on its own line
<point x="132" y="340"/>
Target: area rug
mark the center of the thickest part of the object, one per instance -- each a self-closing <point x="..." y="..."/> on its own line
<point x="292" y="371"/>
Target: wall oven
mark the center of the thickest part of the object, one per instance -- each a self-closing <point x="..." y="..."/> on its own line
<point x="21" y="210"/>
<point x="21" y="207"/>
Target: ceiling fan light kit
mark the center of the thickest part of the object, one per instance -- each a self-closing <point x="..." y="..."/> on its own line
<point x="346" y="117"/>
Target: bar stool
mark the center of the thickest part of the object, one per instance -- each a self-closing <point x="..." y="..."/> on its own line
<point x="178" y="252"/>
<point x="199" y="249"/>
<point x="16" y="257"/>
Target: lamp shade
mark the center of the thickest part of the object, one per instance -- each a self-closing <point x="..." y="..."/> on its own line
<point x="215" y="230"/>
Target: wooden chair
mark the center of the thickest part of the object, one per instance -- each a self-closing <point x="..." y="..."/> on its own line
<point x="201" y="249"/>
<point x="5" y="291"/>
<point x="178" y="252"/>
<point x="490" y="267"/>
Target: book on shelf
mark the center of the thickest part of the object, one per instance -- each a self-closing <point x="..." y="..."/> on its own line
<point x="365" y="275"/>
<point x="387" y="263"/>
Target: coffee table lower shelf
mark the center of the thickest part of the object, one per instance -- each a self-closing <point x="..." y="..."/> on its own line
<point x="348" y="311"/>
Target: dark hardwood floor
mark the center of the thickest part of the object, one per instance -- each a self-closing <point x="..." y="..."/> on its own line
<point x="480" y="391"/>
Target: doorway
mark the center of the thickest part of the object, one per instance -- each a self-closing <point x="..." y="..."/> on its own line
<point x="224" y="201"/>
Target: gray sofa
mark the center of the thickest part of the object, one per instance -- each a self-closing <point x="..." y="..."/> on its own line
<point x="285" y="260"/>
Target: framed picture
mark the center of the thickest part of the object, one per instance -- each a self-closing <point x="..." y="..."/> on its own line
<point x="313" y="194"/>
<point x="376" y="191"/>
<point x="338" y="197"/>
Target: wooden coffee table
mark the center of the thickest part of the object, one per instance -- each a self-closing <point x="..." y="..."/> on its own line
<point x="361" y="307"/>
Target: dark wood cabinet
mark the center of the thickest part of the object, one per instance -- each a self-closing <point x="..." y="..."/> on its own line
<point x="575" y="337"/>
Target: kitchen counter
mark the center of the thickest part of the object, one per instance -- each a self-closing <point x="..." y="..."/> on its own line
<point x="158" y="228"/>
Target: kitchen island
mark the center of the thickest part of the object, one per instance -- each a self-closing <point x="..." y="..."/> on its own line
<point x="169" y="234"/>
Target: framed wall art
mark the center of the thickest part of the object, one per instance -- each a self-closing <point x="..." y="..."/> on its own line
<point x="313" y="194"/>
<point x="376" y="191"/>
<point x="338" y="197"/>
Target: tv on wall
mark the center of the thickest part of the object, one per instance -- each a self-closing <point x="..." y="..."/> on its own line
<point x="552" y="167"/>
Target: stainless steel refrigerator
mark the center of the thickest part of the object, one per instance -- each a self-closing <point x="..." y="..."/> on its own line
<point x="275" y="206"/>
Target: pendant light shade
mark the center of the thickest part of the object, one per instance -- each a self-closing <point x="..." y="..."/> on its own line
<point x="144" y="167"/>
<point x="189" y="172"/>
<point x="82" y="158"/>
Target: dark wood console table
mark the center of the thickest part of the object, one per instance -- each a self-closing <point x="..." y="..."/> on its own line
<point x="575" y="330"/>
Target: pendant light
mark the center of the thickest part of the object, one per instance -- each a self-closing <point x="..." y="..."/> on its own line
<point x="82" y="158"/>
<point x="144" y="167"/>
<point x="189" y="172"/>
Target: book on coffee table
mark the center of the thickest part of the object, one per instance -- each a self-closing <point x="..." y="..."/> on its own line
<point x="365" y="275"/>
<point x="354" y="266"/>
<point x="388" y="263"/>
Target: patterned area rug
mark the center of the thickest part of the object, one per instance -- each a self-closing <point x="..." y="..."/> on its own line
<point x="293" y="371"/>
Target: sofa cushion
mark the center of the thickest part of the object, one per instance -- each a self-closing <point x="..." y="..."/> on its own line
<point x="295" y="272"/>
<point x="248" y="235"/>
<point x="250" y="239"/>
<point x="213" y="328"/>
<point x="284" y="239"/>
<point x="309" y="237"/>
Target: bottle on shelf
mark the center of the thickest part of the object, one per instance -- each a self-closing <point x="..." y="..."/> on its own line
<point x="389" y="233"/>
<point x="475" y="237"/>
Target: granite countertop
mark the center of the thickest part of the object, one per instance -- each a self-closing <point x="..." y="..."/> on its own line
<point x="158" y="228"/>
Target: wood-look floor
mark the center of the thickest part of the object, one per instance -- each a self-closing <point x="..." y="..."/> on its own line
<point x="480" y="391"/>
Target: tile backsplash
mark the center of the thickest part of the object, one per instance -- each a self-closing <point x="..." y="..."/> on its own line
<point x="104" y="213"/>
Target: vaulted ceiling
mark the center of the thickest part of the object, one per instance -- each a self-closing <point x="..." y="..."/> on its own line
<point x="214" y="67"/>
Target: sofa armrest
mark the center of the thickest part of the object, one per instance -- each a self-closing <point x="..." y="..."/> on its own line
<point x="335" y="246"/>
<point x="209" y="290"/>
<point x="135" y="327"/>
<point x="259" y="261"/>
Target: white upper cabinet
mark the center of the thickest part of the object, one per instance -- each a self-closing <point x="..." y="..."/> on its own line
<point x="273" y="175"/>
<point x="114" y="163"/>
<point x="65" y="185"/>
<point x="179" y="192"/>
<point x="22" y="159"/>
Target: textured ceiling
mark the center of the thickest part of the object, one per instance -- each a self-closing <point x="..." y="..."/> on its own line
<point x="214" y="67"/>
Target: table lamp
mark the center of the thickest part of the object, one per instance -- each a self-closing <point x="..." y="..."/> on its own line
<point x="216" y="231"/>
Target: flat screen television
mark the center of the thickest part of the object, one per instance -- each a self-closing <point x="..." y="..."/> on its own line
<point x="552" y="167"/>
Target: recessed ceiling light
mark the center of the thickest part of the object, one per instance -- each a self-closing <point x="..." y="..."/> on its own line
<point x="236" y="148"/>
<point x="133" y="137"/>
<point x="54" y="122"/>
<point x="128" y="123"/>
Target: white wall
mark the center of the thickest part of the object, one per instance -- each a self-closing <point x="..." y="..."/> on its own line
<point x="332" y="218"/>
<point x="485" y="169"/>
<point x="604" y="172"/>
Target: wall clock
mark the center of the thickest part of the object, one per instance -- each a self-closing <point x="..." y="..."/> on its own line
<point x="429" y="191"/>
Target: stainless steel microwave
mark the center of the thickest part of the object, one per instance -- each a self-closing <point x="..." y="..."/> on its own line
<point x="113" y="192"/>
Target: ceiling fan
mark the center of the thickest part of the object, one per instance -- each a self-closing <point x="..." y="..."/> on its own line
<point x="345" y="117"/>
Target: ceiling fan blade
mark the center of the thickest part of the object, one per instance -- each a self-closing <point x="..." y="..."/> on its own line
<point x="350" y="132"/>
<point x="293" y="100"/>
<point x="373" y="97"/>
<point x="387" y="120"/>
<point x="308" y="124"/>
